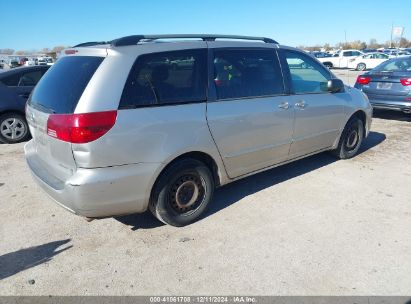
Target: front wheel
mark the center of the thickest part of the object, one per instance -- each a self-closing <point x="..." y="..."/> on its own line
<point x="182" y="193"/>
<point x="351" y="139"/>
<point x="13" y="128"/>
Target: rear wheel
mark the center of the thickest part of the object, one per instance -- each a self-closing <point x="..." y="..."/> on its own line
<point x="182" y="192"/>
<point x="13" y="128"/>
<point x="328" y="64"/>
<point x="361" y="67"/>
<point x="351" y="139"/>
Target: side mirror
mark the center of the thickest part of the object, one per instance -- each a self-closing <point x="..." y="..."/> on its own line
<point x="335" y="85"/>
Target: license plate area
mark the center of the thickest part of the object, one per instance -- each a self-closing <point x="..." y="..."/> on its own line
<point x="384" y="85"/>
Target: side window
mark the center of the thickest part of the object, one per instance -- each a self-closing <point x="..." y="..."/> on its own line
<point x="30" y="79"/>
<point x="166" y="78"/>
<point x="307" y="75"/>
<point x="12" y="80"/>
<point x="347" y="54"/>
<point x="355" y="53"/>
<point x="247" y="73"/>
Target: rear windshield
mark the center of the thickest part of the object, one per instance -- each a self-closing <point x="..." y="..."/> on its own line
<point x="62" y="86"/>
<point x="395" y="65"/>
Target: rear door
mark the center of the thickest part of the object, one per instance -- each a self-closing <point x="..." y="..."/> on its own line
<point x="28" y="81"/>
<point x="318" y="113"/>
<point x="248" y="111"/>
<point x="58" y="93"/>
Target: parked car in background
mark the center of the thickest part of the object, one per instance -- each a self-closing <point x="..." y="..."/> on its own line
<point x="41" y="61"/>
<point x="340" y="59"/>
<point x="365" y="51"/>
<point x="320" y="54"/>
<point x="14" y="63"/>
<point x="30" y="62"/>
<point x="22" y="61"/>
<point x="396" y="53"/>
<point x="388" y="86"/>
<point x="163" y="137"/>
<point x="15" y="87"/>
<point x="49" y="61"/>
<point x="367" y="61"/>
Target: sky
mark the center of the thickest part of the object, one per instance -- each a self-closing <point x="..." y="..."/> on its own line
<point x="44" y="23"/>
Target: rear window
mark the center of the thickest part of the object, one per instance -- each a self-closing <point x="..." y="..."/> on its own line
<point x="62" y="86"/>
<point x="396" y="65"/>
<point x="166" y="78"/>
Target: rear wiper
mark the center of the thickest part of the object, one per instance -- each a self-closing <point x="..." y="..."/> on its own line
<point x="42" y="108"/>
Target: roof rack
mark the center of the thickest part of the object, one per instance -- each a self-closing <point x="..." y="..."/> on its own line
<point x="134" y="39"/>
<point x="91" y="43"/>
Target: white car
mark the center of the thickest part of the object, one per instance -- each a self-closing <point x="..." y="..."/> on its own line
<point x="30" y="62"/>
<point x="368" y="61"/>
<point x="340" y="59"/>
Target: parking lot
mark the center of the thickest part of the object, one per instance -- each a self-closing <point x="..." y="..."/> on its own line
<point x="314" y="227"/>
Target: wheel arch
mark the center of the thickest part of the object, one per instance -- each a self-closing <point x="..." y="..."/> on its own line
<point x="204" y="157"/>
<point x="358" y="113"/>
<point x="2" y="112"/>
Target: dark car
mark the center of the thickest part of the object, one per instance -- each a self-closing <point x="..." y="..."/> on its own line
<point x="14" y="64"/>
<point x="15" y="87"/>
<point x="320" y="54"/>
<point x="388" y="86"/>
<point x="369" y="51"/>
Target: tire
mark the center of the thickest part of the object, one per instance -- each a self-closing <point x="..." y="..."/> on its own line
<point x="361" y="67"/>
<point x="182" y="193"/>
<point x="13" y="128"/>
<point x="328" y="65"/>
<point x="351" y="139"/>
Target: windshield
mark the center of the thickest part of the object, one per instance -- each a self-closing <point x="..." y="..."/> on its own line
<point x="395" y="65"/>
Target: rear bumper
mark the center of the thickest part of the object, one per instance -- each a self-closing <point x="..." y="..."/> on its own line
<point x="403" y="106"/>
<point x="98" y="192"/>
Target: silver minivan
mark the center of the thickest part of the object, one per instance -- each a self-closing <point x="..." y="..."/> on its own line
<point x="159" y="121"/>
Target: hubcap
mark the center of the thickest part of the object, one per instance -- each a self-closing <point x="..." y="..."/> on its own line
<point x="352" y="139"/>
<point x="186" y="193"/>
<point x="13" y="128"/>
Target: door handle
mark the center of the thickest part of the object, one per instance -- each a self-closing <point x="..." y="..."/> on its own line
<point x="284" y="105"/>
<point x="301" y="104"/>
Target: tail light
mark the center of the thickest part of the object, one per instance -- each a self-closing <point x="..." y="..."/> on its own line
<point x="80" y="128"/>
<point x="363" y="80"/>
<point x="70" y="52"/>
<point x="406" y="81"/>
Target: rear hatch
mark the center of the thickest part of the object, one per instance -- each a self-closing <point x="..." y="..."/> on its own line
<point x="58" y="92"/>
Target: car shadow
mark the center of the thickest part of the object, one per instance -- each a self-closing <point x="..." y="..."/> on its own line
<point x="392" y="115"/>
<point x="20" y="260"/>
<point x="140" y="221"/>
<point x="233" y="192"/>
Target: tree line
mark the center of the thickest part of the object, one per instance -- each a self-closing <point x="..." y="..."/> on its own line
<point x="360" y="45"/>
<point x="356" y="44"/>
<point x="56" y="49"/>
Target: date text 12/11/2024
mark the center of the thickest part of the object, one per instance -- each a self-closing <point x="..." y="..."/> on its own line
<point x="203" y="299"/>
